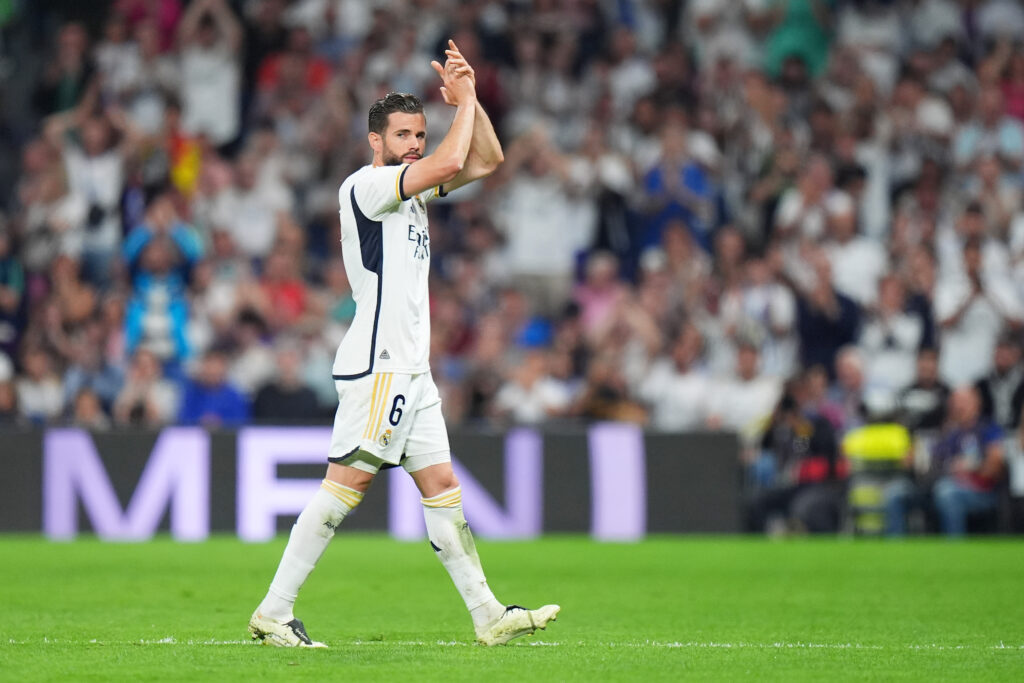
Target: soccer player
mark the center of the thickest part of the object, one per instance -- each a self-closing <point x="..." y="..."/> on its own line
<point x="389" y="410"/>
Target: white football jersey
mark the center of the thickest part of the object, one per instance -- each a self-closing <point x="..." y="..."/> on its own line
<point x="386" y="248"/>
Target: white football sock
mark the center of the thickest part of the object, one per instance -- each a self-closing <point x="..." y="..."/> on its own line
<point x="453" y="542"/>
<point x="310" y="535"/>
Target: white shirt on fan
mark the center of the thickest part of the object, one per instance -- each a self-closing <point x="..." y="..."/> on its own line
<point x="210" y="87"/>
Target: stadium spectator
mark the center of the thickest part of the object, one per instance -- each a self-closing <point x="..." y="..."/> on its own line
<point x="965" y="467"/>
<point x="286" y="397"/>
<point x="210" y="38"/>
<point x="798" y="473"/>
<point x="972" y="310"/>
<point x="600" y="293"/>
<point x="923" y="403"/>
<point x="676" y="388"/>
<point x="146" y="398"/>
<point x="538" y="199"/>
<point x="799" y="38"/>
<point x="208" y="399"/>
<point x="890" y="337"/>
<point x="153" y="84"/>
<point x="68" y="76"/>
<point x="87" y="411"/>
<point x="117" y="58"/>
<point x="744" y="403"/>
<point x="531" y="395"/>
<point x="802" y="209"/>
<point x="763" y="311"/>
<point x="606" y="393"/>
<point x="677" y="187"/>
<point x="991" y="132"/>
<point x="40" y="392"/>
<point x="95" y="171"/>
<point x="285" y="299"/>
<point x="1002" y="390"/>
<point x="75" y="299"/>
<point x="826" y="319"/>
<point x="1011" y="66"/>
<point x="251" y="209"/>
<point x="89" y="369"/>
<point x="253" y="359"/>
<point x="857" y="262"/>
<point x="160" y="252"/>
<point x="164" y="15"/>
<point x="850" y="391"/>
<point x="10" y="416"/>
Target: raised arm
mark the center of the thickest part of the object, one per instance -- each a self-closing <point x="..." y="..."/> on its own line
<point x="449" y="159"/>
<point x="485" y="153"/>
<point x="225" y="20"/>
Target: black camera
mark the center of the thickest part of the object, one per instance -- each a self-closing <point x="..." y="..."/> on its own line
<point x="94" y="219"/>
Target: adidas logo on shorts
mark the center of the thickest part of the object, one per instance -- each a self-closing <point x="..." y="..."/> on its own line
<point x="384" y="355"/>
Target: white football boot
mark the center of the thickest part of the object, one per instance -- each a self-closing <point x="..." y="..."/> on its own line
<point x="516" y="621"/>
<point x="270" y="632"/>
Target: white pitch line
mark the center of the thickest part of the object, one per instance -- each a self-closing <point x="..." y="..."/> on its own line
<point x="676" y="645"/>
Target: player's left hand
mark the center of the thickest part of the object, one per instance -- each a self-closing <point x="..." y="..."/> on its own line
<point x="456" y="66"/>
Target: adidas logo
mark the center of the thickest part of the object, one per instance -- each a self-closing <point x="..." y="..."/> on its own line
<point x="384" y="355"/>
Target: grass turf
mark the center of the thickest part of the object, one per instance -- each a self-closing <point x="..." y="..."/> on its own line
<point x="665" y="609"/>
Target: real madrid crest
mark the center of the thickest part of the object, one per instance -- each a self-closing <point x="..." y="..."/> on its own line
<point x="419" y="202"/>
<point x="385" y="438"/>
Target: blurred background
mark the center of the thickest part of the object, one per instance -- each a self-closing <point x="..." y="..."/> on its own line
<point x="795" y="221"/>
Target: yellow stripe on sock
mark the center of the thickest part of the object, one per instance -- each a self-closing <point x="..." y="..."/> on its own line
<point x="448" y="499"/>
<point x="373" y="406"/>
<point x="383" y="405"/>
<point x="346" y="495"/>
<point x="342" y="492"/>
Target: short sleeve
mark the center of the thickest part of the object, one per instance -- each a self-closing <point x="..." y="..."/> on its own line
<point x="379" y="190"/>
<point x="433" y="193"/>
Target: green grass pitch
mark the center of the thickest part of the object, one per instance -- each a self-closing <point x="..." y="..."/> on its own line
<point x="665" y="609"/>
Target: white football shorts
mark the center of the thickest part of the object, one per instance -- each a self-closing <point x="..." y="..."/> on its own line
<point x="388" y="419"/>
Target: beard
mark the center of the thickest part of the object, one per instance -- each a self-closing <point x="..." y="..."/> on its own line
<point x="390" y="159"/>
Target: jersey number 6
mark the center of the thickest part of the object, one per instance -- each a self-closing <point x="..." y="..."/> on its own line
<point x="396" y="412"/>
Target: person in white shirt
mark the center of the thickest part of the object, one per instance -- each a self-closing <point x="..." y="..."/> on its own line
<point x="389" y="411"/>
<point x="858" y="262"/>
<point x="801" y="211"/>
<point x="890" y="339"/>
<point x="765" y="310"/>
<point x="971" y="311"/>
<point x="251" y="210"/>
<point x="676" y="387"/>
<point x="40" y="392"/>
<point x="744" y="403"/>
<point x="531" y="395"/>
<point x="210" y="37"/>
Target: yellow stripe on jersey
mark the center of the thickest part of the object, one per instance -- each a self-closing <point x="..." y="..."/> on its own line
<point x="346" y="495"/>
<point x="383" y="406"/>
<point x="398" y="182"/>
<point x="448" y="499"/>
<point x="373" y="406"/>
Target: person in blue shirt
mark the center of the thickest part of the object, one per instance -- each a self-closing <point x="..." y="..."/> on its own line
<point x="208" y="399"/>
<point x="967" y="464"/>
<point x="682" y="186"/>
<point x="160" y="252"/>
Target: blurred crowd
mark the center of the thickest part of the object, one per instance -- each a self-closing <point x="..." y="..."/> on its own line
<point x="710" y="211"/>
